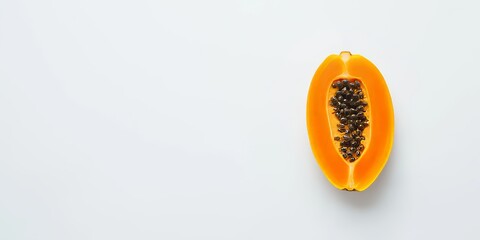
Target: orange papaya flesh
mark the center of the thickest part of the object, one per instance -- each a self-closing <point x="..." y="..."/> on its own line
<point x="350" y="121"/>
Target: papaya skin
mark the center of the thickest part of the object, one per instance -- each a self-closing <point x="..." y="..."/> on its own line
<point x="360" y="174"/>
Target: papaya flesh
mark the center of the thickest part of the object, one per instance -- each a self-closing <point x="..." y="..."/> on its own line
<point x="350" y="121"/>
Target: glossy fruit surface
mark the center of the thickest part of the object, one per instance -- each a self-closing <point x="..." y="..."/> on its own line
<point x="371" y="124"/>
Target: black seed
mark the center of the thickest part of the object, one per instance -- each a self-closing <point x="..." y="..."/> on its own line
<point x="358" y="153"/>
<point x="357" y="84"/>
<point x="343" y="149"/>
<point x="344" y="155"/>
<point x="337" y="138"/>
<point x="352" y="159"/>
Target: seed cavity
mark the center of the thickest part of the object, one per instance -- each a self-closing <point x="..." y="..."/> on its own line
<point x="349" y="108"/>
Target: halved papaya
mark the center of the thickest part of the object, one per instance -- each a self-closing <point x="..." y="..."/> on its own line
<point x="350" y="121"/>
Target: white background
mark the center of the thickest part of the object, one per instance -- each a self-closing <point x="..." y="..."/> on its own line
<point x="186" y="120"/>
